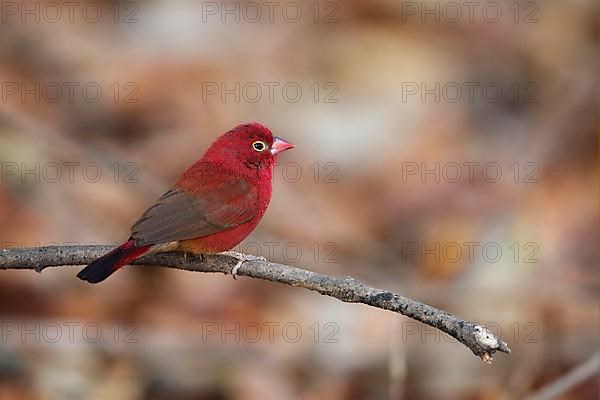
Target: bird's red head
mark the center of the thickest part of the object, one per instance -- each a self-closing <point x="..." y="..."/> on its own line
<point x="252" y="144"/>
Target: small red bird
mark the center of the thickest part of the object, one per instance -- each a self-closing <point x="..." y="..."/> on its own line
<point x="210" y="208"/>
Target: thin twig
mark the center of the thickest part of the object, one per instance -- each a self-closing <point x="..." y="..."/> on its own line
<point x="562" y="385"/>
<point x="481" y="341"/>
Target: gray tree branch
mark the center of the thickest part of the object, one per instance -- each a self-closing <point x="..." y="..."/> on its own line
<point x="481" y="341"/>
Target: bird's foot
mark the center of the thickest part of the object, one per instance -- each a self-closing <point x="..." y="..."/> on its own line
<point x="242" y="258"/>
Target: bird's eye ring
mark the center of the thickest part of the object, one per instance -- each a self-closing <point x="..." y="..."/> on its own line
<point x="259" y="146"/>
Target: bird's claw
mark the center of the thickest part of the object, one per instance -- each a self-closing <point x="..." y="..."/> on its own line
<point x="242" y="258"/>
<point x="235" y="269"/>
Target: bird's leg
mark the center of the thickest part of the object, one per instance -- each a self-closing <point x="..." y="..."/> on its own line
<point x="242" y="258"/>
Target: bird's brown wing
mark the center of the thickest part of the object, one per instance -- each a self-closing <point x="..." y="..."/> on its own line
<point x="181" y="214"/>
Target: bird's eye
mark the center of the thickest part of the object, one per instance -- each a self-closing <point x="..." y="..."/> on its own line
<point x="259" y="146"/>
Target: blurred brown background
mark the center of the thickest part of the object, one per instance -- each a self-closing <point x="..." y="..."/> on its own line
<point x="444" y="151"/>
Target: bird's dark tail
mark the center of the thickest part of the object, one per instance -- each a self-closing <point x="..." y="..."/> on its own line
<point x="104" y="266"/>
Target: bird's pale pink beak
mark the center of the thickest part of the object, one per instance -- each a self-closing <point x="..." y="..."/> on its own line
<point x="280" y="145"/>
